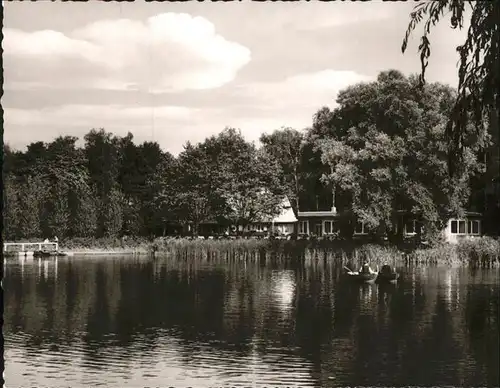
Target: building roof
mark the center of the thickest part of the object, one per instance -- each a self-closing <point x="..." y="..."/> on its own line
<point x="286" y="216"/>
<point x="467" y="213"/>
<point x="319" y="213"/>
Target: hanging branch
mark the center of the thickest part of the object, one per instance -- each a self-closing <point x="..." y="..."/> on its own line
<point x="479" y="65"/>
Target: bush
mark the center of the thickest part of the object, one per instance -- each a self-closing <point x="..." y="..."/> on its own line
<point x="437" y="254"/>
<point x="484" y="251"/>
<point x="104" y="243"/>
<point x="479" y="251"/>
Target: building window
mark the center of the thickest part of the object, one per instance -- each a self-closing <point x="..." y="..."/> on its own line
<point x="328" y="227"/>
<point x="411" y="227"/>
<point x="473" y="227"/>
<point x="465" y="227"/>
<point x="360" y="228"/>
<point x="304" y="227"/>
<point x="257" y="228"/>
<point x="461" y="227"/>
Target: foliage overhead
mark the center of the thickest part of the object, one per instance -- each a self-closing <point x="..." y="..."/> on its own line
<point x="478" y="97"/>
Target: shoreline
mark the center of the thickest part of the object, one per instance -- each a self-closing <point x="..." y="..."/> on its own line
<point x="84" y="252"/>
<point x="484" y="251"/>
<point x="103" y="252"/>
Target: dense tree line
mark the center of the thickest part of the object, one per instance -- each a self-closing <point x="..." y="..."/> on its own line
<point x="113" y="187"/>
<point x="383" y="149"/>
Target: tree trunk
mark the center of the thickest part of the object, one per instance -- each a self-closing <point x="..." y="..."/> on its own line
<point x="297" y="193"/>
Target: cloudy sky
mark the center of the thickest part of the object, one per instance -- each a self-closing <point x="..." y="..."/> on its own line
<point x="173" y="72"/>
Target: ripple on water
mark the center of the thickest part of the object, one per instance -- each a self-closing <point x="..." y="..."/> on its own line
<point x="263" y="329"/>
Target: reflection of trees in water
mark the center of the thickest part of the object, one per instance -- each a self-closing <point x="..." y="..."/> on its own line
<point x="481" y="318"/>
<point x="423" y="333"/>
<point x="239" y="307"/>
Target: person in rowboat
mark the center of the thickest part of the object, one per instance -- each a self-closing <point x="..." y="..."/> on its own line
<point x="386" y="269"/>
<point x="365" y="269"/>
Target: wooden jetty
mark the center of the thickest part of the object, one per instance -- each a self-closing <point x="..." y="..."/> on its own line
<point x="30" y="249"/>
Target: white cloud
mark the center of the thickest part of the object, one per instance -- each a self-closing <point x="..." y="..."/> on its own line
<point x="171" y="51"/>
<point x="304" y="91"/>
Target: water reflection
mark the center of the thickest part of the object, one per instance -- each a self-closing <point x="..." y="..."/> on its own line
<point x="229" y="322"/>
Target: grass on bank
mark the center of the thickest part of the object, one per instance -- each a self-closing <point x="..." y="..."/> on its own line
<point x="483" y="251"/>
<point x="104" y="244"/>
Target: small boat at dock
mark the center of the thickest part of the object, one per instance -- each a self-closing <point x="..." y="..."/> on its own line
<point x="42" y="254"/>
<point x="48" y="254"/>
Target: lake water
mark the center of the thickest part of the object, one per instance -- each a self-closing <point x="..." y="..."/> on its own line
<point x="130" y="322"/>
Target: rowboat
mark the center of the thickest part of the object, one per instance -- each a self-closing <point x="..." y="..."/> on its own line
<point x="362" y="277"/>
<point x="49" y="254"/>
<point x="42" y="254"/>
<point x="387" y="275"/>
<point x="384" y="277"/>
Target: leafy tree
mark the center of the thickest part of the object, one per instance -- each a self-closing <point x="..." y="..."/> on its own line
<point x="112" y="210"/>
<point x="30" y="204"/>
<point x="58" y="211"/>
<point x="129" y="180"/>
<point x="254" y="194"/>
<point x="245" y="181"/>
<point x="285" y="149"/>
<point x="31" y="161"/>
<point x="223" y="179"/>
<point x="11" y="207"/>
<point x="85" y="213"/>
<point x="162" y="193"/>
<point x="10" y="160"/>
<point x="194" y="191"/>
<point x="138" y="165"/>
<point x="102" y="156"/>
<point x="151" y="157"/>
<point x="478" y="97"/>
<point x="65" y="170"/>
<point x="386" y="149"/>
<point x="103" y="163"/>
<point x="158" y="204"/>
<point x="312" y="166"/>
